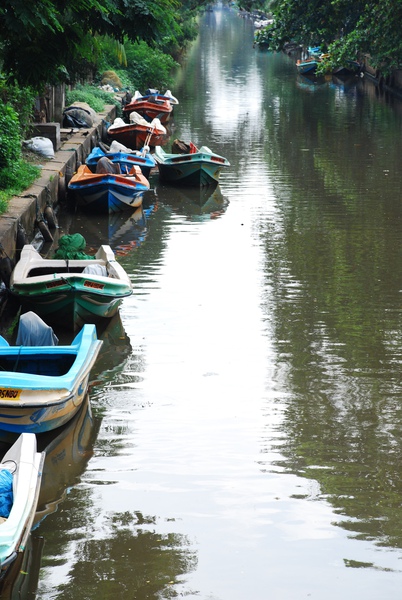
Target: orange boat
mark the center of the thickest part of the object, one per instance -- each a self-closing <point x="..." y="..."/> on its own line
<point x="138" y="133"/>
<point x="150" y="107"/>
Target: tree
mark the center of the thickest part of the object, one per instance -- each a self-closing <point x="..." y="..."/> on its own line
<point x="56" y="40"/>
<point x="346" y="29"/>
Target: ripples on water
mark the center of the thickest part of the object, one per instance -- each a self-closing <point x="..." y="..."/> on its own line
<point x="249" y="436"/>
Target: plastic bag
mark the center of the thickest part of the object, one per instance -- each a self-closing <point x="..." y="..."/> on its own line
<point x="6" y="493"/>
<point x="41" y="145"/>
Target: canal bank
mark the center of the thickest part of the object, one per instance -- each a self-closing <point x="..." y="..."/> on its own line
<point x="24" y="219"/>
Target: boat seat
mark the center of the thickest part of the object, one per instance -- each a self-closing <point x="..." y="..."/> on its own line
<point x="96" y="269"/>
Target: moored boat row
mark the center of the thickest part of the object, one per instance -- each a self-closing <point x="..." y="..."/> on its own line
<point x="43" y="383"/>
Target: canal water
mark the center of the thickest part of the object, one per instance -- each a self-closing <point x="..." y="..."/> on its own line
<point x="242" y="439"/>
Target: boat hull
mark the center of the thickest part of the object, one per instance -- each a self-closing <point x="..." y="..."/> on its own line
<point x="107" y="198"/>
<point x="308" y="66"/>
<point x="63" y="294"/>
<point x="194" y="175"/>
<point x="43" y="387"/>
<point x="15" y="529"/>
<point x="135" y="136"/>
<point x="36" y="418"/>
<point x="159" y="109"/>
<point x="197" y="169"/>
<point x="108" y="192"/>
<point x="75" y="306"/>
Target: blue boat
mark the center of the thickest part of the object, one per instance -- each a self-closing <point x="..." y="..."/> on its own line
<point x="125" y="159"/>
<point x="108" y="192"/>
<point x="309" y="65"/>
<point x="42" y="384"/>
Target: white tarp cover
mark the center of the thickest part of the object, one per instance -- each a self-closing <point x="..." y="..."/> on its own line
<point x="32" y="331"/>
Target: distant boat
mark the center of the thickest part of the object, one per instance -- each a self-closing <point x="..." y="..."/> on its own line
<point x="123" y="156"/>
<point x="308" y="65"/>
<point x="23" y="465"/>
<point x="70" y="293"/>
<point x="151" y="106"/>
<point x="193" y="167"/>
<point x="42" y="384"/>
<point x="107" y="190"/>
<point x="138" y="133"/>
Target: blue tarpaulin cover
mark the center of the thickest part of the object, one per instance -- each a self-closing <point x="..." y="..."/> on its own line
<point x="6" y="492"/>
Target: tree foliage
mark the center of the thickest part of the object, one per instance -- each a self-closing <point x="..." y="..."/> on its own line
<point x="346" y="29"/>
<point x="49" y="41"/>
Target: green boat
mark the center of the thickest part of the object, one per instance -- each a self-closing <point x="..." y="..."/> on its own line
<point x="193" y="166"/>
<point x="70" y="293"/>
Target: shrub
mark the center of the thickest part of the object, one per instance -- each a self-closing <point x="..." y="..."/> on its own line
<point x="10" y="136"/>
<point x="111" y="78"/>
<point x="22" y="100"/>
<point x="93" y="96"/>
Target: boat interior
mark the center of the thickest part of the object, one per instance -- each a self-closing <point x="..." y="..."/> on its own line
<point x="46" y="364"/>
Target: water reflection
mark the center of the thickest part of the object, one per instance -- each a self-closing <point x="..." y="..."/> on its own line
<point x="68" y="451"/>
<point x="195" y="203"/>
<point x="121" y="230"/>
<point x="21" y="580"/>
<point x="334" y="276"/>
<point x="126" y="558"/>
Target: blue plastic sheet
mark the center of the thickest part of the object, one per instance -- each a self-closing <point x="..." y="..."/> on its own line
<point x="6" y="492"/>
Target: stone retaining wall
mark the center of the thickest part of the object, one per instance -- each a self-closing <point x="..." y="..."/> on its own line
<point x="51" y="187"/>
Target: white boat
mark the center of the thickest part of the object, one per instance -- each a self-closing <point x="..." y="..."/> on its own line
<point x="70" y="293"/>
<point x="25" y="464"/>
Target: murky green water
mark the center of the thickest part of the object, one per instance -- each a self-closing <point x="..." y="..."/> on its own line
<point x="245" y="437"/>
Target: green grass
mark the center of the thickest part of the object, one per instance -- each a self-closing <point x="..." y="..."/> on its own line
<point x="95" y="97"/>
<point x="16" y="180"/>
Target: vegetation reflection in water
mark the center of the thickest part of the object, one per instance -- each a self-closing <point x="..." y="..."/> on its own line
<point x="335" y="276"/>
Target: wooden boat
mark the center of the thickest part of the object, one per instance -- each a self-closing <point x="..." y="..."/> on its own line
<point x="70" y="293"/>
<point x="104" y="191"/>
<point x="24" y="467"/>
<point x="124" y="157"/>
<point x="308" y="65"/>
<point x="138" y="133"/>
<point x="152" y="106"/>
<point x="42" y="386"/>
<point x="157" y="94"/>
<point x="194" y="167"/>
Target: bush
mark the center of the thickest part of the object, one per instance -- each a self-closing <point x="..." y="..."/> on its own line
<point x="111" y="78"/>
<point x="149" y="68"/>
<point x="93" y="96"/>
<point x="146" y="67"/>
<point x="23" y="102"/>
<point x="10" y="136"/>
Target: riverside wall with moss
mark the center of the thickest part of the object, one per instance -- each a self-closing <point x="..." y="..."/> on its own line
<point x="26" y="210"/>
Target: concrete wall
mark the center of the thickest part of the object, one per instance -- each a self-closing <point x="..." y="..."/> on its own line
<point x="50" y="189"/>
